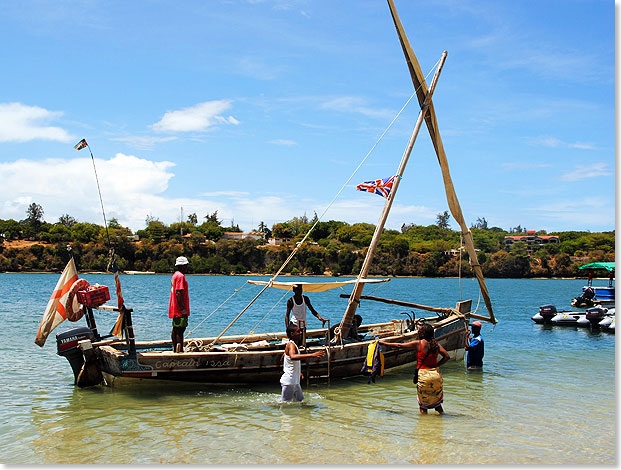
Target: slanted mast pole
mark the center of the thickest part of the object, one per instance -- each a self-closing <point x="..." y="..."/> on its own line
<point x="354" y="298"/>
<point x="418" y="79"/>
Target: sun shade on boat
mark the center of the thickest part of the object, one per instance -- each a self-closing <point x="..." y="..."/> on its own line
<point x="610" y="266"/>
<point x="315" y="286"/>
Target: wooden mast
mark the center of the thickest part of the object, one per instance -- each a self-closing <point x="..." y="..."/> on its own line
<point x="354" y="298"/>
<point x="418" y="79"/>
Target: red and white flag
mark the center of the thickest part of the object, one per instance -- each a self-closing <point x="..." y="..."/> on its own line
<point x="117" y="330"/>
<point x="80" y="145"/>
<point x="55" y="312"/>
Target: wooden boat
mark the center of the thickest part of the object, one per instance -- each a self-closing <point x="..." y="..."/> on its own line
<point x="254" y="358"/>
<point x="257" y="358"/>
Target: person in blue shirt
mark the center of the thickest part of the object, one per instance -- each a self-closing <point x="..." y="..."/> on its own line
<point x="475" y="347"/>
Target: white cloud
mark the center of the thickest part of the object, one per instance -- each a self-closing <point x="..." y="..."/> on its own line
<point x="510" y="166"/>
<point x="555" y="64"/>
<point x="195" y="118"/>
<point x="143" y="142"/>
<point x="134" y="187"/>
<point x="129" y="186"/>
<point x="22" y="123"/>
<point x="225" y="193"/>
<point x="368" y="209"/>
<point x="353" y="104"/>
<point x="285" y="142"/>
<point x="553" y="142"/>
<point x="583" y="172"/>
<point x="590" y="211"/>
<point x="255" y="68"/>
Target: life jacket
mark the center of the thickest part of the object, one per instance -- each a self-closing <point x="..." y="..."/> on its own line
<point x="374" y="363"/>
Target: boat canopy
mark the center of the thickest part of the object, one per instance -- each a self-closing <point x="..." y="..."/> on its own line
<point x="609" y="266"/>
<point x="315" y="286"/>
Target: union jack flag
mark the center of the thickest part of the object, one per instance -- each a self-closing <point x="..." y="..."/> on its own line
<point x="381" y="187"/>
<point x="80" y="145"/>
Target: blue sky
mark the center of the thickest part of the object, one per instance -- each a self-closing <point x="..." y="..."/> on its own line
<point x="262" y="110"/>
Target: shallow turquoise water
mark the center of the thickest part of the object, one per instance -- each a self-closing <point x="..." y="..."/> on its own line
<point x="545" y="395"/>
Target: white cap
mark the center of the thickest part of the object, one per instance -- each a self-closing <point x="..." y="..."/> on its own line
<point x="181" y="261"/>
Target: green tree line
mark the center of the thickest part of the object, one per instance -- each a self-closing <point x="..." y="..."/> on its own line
<point x="333" y="247"/>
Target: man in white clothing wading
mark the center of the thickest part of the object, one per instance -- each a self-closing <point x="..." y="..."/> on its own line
<point x="292" y="368"/>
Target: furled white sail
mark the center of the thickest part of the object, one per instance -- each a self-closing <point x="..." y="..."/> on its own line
<point x="315" y="286"/>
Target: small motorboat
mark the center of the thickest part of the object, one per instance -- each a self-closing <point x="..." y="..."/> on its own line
<point x="569" y="318"/>
<point x="608" y="323"/>
<point x="545" y="314"/>
<point x="549" y="315"/>
<point x="589" y="319"/>
<point x="592" y="317"/>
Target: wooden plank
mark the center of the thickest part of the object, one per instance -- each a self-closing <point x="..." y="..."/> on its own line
<point x="480" y="317"/>
<point x="403" y="304"/>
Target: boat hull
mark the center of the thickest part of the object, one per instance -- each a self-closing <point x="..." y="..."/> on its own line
<point x="261" y="366"/>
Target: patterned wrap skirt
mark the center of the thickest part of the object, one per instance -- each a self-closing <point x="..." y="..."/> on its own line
<point x="429" y="388"/>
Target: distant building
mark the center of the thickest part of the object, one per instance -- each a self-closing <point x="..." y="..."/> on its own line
<point x="278" y="241"/>
<point x="455" y="251"/>
<point x="243" y="235"/>
<point x="531" y="239"/>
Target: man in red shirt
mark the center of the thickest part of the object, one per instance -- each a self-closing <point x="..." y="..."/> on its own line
<point x="179" y="305"/>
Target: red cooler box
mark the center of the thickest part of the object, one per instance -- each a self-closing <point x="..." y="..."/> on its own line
<point x="94" y="296"/>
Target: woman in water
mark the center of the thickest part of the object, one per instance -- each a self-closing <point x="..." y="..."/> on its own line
<point x="429" y="387"/>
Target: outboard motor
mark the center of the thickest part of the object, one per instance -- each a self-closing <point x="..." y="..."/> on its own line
<point x="547" y="312"/>
<point x="586" y="299"/>
<point x="596" y="315"/>
<point x="67" y="346"/>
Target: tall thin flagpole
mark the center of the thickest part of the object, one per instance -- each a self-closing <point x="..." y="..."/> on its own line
<point x="78" y="147"/>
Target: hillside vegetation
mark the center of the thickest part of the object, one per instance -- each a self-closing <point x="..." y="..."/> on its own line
<point x="333" y="247"/>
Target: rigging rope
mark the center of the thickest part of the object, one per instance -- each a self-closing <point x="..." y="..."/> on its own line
<point x="264" y="317"/>
<point x="461" y="247"/>
<point x="100" y="198"/>
<point x="217" y="308"/>
<point x="301" y="242"/>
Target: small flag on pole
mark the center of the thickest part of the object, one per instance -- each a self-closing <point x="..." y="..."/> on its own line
<point x="80" y="145"/>
<point x="117" y="330"/>
<point x="381" y="187"/>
